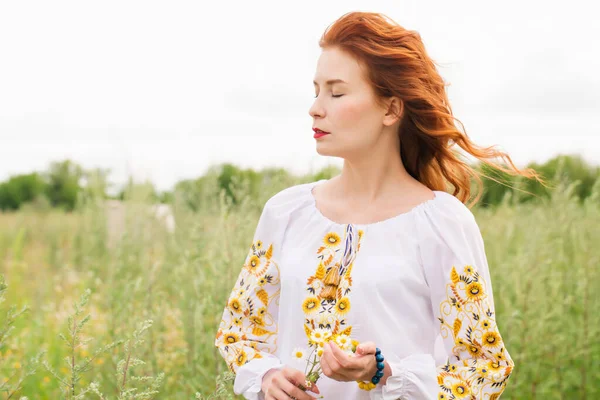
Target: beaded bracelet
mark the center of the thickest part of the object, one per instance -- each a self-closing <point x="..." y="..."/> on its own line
<point x="378" y="375"/>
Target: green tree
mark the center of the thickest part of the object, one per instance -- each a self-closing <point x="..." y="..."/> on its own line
<point x="496" y="184"/>
<point x="20" y="189"/>
<point x="231" y="178"/>
<point x="63" y="184"/>
<point x="567" y="167"/>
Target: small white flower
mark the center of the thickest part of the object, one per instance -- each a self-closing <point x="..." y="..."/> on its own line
<point x="299" y="354"/>
<point x="344" y="342"/>
<point x="320" y="335"/>
<point x="320" y="352"/>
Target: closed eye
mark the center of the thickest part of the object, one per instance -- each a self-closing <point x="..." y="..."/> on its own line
<point x="333" y="95"/>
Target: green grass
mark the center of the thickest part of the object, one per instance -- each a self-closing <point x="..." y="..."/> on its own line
<point x="543" y="258"/>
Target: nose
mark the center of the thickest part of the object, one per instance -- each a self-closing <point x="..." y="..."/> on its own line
<point x="316" y="110"/>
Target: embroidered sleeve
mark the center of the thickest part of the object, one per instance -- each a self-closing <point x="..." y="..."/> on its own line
<point x="247" y="334"/>
<point x="474" y="363"/>
<point x="478" y="364"/>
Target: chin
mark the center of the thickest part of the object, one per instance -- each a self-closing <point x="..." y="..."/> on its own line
<point x="325" y="152"/>
<point x="330" y="151"/>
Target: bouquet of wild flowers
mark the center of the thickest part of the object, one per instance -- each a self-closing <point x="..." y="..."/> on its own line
<point x="313" y="354"/>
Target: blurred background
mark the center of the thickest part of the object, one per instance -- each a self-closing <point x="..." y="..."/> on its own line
<point x="139" y="142"/>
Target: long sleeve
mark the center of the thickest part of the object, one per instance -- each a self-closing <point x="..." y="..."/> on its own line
<point x="413" y="377"/>
<point x="247" y="334"/>
<point x="455" y="267"/>
<point x="455" y="264"/>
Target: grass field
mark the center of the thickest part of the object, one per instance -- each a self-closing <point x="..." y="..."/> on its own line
<point x="543" y="257"/>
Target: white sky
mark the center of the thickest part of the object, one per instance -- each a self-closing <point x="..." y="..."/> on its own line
<point x="162" y="90"/>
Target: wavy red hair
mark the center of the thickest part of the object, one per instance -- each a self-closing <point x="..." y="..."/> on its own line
<point x="397" y="64"/>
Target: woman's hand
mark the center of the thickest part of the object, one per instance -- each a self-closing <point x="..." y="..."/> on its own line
<point x="340" y="366"/>
<point x="282" y="384"/>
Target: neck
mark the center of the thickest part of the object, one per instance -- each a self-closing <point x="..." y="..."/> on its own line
<point x="364" y="180"/>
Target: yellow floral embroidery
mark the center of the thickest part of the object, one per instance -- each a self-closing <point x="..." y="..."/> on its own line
<point x="483" y="365"/>
<point x="342" y="307"/>
<point x="247" y="323"/>
<point x="332" y="240"/>
<point x="235" y="306"/>
<point x="231" y="338"/>
<point x="327" y="302"/>
<point x="310" y="305"/>
<point x="241" y="359"/>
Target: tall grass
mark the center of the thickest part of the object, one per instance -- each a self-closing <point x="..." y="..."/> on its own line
<point x="543" y="259"/>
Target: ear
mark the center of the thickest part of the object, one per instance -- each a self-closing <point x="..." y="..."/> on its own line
<point x="394" y="110"/>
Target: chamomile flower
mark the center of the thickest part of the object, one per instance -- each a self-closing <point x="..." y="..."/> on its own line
<point x="299" y="354"/>
<point x="320" y="335"/>
<point x="320" y="352"/>
<point x="344" y="342"/>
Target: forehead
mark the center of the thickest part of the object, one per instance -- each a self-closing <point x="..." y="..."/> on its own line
<point x="334" y="63"/>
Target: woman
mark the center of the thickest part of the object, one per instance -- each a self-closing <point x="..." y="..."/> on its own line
<point x="380" y="259"/>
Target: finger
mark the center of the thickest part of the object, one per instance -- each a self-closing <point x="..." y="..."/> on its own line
<point x="276" y="393"/>
<point x="325" y="365"/>
<point x="294" y="391"/>
<point x="296" y="378"/>
<point x="269" y="393"/>
<point x="332" y="365"/>
<point x="281" y="388"/>
<point x="314" y="388"/>
<point x="331" y="360"/>
<point x="343" y="361"/>
<point x="366" y="348"/>
<point x="309" y="386"/>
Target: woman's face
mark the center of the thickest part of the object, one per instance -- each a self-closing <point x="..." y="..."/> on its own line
<point x="346" y="109"/>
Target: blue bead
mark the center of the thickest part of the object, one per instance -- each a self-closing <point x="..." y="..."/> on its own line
<point x="380" y="366"/>
<point x="379" y="374"/>
<point x="379" y="357"/>
<point x="375" y="380"/>
<point x="377" y="351"/>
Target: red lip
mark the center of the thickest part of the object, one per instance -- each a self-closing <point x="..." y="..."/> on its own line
<point x="319" y="133"/>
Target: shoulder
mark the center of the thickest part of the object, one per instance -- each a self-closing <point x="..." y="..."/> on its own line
<point x="448" y="233"/>
<point x="446" y="218"/>
<point x="447" y="206"/>
<point x="288" y="200"/>
<point x="281" y="208"/>
<point x="289" y="194"/>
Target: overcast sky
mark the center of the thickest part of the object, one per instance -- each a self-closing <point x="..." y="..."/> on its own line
<point x="162" y="90"/>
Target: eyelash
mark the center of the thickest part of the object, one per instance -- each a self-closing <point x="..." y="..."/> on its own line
<point x="339" y="95"/>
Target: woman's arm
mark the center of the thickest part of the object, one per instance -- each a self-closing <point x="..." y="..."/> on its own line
<point x="247" y="335"/>
<point x="478" y="364"/>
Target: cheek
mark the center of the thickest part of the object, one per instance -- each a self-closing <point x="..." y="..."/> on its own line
<point x="358" y="113"/>
<point x="350" y="112"/>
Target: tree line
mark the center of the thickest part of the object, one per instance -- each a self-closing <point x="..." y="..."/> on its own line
<point x="65" y="184"/>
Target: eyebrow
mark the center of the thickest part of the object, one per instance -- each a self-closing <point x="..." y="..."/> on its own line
<point x="331" y="81"/>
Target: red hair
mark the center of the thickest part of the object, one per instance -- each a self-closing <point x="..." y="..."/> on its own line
<point x="397" y="64"/>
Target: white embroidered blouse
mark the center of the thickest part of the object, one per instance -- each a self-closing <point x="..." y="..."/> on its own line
<point x="416" y="284"/>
